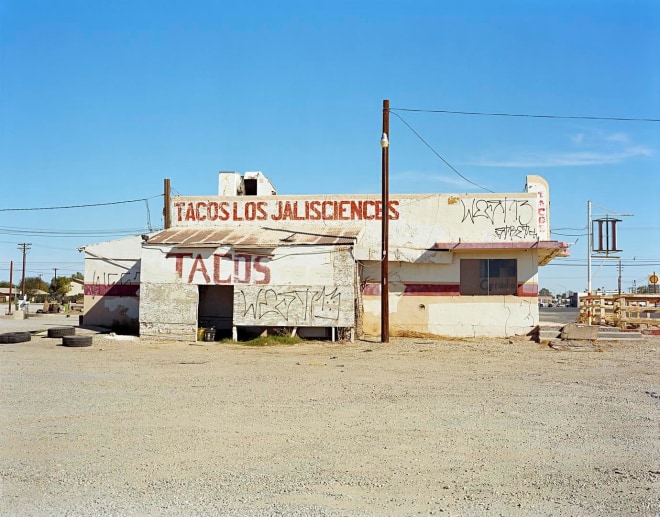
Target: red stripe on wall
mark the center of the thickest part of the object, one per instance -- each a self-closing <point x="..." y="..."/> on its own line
<point x="111" y="290"/>
<point x="418" y="290"/>
<point x="371" y="290"/>
<point x="524" y="290"/>
<point x="432" y="290"/>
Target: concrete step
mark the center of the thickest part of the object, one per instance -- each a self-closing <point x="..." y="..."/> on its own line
<point x="548" y="332"/>
<point x="615" y="334"/>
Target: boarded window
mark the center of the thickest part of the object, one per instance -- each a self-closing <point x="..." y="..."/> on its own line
<point x="487" y="277"/>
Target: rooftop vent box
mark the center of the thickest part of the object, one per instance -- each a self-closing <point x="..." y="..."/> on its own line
<point x="252" y="183"/>
<point x="230" y="184"/>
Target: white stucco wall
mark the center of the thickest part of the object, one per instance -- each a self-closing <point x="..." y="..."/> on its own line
<point x="425" y="299"/>
<point x="112" y="281"/>
<point x="310" y="286"/>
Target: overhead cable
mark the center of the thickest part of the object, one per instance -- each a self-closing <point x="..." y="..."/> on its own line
<point x="438" y="154"/>
<point x="141" y="200"/>
<point x="527" y="115"/>
<point x="70" y="233"/>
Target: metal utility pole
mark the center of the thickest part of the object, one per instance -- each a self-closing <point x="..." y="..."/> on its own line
<point x="384" y="266"/>
<point x="11" y="281"/>
<point x="589" y="244"/>
<point x="25" y="246"/>
<point x="166" y="210"/>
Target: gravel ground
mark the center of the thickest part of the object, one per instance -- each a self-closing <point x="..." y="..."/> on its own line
<point x="418" y="426"/>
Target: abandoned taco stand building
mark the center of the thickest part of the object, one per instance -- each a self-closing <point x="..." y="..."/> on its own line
<point x="249" y="260"/>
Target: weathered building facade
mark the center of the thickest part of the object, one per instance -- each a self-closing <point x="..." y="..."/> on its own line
<point x="112" y="283"/>
<point x="459" y="265"/>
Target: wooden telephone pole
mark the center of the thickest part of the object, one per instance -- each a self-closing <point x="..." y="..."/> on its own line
<point x="384" y="264"/>
<point x="166" y="210"/>
<point x="25" y="247"/>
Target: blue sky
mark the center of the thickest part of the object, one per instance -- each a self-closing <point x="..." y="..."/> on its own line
<point x="100" y="101"/>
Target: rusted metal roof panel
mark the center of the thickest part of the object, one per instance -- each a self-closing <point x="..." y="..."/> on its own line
<point x="256" y="237"/>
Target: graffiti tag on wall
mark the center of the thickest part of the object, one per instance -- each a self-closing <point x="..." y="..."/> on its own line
<point x="522" y="232"/>
<point x="292" y="306"/>
<point x="511" y="218"/>
<point x="113" y="284"/>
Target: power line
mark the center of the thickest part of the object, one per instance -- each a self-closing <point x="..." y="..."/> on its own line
<point x="568" y="234"/>
<point x="438" y="154"/>
<point x="527" y="115"/>
<point x="604" y="264"/>
<point x="141" y="200"/>
<point x="8" y="230"/>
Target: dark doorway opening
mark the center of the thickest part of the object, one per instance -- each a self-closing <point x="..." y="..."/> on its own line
<point x="216" y="309"/>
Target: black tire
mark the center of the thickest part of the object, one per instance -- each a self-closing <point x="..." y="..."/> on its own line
<point x="77" y="341"/>
<point x="61" y="331"/>
<point x="15" y="337"/>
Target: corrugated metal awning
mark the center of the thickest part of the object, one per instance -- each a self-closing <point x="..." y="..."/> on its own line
<point x="256" y="237"/>
<point x="547" y="250"/>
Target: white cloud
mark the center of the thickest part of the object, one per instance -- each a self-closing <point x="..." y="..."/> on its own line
<point x="598" y="149"/>
<point x="617" y="137"/>
<point x="578" y="138"/>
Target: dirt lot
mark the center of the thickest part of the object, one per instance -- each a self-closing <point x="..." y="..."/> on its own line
<point x="475" y="427"/>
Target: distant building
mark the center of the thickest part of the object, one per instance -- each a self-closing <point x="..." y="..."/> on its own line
<point x="250" y="260"/>
<point x="546" y="301"/>
<point x="4" y="294"/>
<point x="77" y="289"/>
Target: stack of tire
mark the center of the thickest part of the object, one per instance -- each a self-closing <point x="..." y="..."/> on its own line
<point x="14" y="337"/>
<point x="69" y="338"/>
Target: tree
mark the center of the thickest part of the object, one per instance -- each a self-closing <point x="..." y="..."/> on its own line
<point x="6" y="284"/>
<point x="78" y="276"/>
<point x="544" y="292"/>
<point x="60" y="286"/>
<point x="33" y="284"/>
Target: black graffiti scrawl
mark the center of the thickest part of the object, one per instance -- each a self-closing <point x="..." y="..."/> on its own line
<point x="511" y="218"/>
<point x="285" y="306"/>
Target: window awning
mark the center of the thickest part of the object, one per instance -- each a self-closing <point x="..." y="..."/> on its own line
<point x="547" y="250"/>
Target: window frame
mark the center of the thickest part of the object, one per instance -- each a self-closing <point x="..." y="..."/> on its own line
<point x="478" y="276"/>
